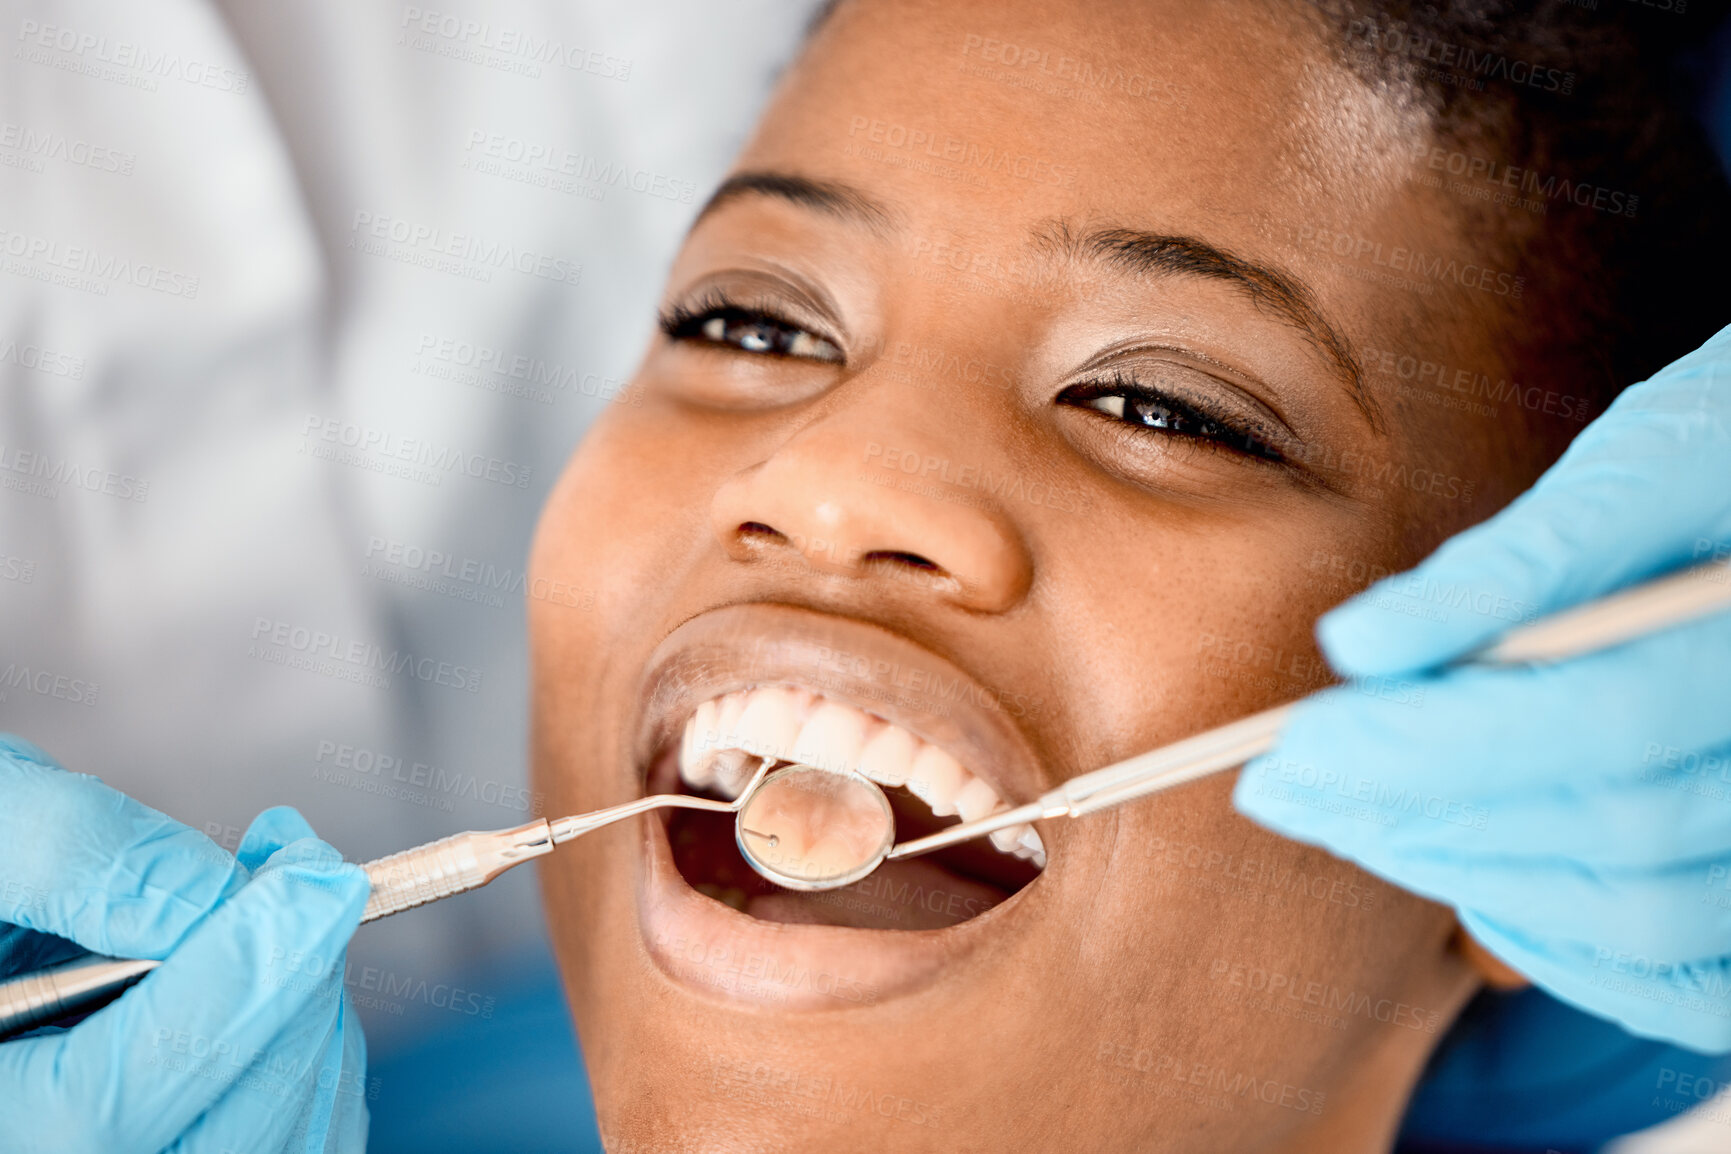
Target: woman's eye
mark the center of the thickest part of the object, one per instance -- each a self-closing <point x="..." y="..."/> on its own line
<point x="1144" y="409"/>
<point x="751" y="331"/>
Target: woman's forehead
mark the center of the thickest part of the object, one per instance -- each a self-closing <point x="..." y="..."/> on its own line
<point x="1031" y="106"/>
<point x="980" y="125"/>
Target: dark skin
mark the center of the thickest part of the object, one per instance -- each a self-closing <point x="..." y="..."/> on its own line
<point x="1138" y="337"/>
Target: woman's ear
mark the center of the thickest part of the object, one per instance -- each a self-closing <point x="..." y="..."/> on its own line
<point x="1498" y="974"/>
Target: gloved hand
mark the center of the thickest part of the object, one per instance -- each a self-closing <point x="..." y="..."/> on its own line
<point x="1577" y="816"/>
<point x="242" y="1041"/>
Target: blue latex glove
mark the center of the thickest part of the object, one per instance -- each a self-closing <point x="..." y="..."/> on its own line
<point x="241" y="1041"/>
<point x="1577" y="816"/>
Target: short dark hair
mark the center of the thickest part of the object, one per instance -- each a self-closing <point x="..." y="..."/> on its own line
<point x="1587" y="106"/>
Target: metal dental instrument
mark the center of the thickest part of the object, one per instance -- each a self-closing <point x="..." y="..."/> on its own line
<point x="1634" y="612"/>
<point x="808" y="828"/>
<point x="402" y="881"/>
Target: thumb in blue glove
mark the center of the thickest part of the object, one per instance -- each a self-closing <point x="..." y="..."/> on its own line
<point x="242" y="1039"/>
<point x="1564" y="811"/>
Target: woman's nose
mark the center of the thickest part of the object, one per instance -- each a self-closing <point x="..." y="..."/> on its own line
<point x="829" y="498"/>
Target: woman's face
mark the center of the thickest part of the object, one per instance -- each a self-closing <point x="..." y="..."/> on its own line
<point x="1022" y="405"/>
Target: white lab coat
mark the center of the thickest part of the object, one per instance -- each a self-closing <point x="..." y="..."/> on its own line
<point x="216" y="222"/>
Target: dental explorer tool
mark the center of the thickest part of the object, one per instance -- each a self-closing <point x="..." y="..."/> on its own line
<point x="1623" y="616"/>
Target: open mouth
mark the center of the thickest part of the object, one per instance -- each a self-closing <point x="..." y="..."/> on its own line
<point x="725" y="737"/>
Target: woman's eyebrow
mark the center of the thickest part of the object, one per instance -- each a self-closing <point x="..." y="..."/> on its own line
<point x="832" y="197"/>
<point x="1133" y="251"/>
<point x="1151" y="254"/>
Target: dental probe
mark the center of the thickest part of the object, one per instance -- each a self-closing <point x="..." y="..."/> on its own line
<point x="1634" y="612"/>
<point x="402" y="881"/>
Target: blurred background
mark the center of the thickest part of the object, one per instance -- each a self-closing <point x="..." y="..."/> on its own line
<point x="302" y="308"/>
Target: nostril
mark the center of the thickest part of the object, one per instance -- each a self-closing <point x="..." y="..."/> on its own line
<point x="767" y="534"/>
<point x="895" y="557"/>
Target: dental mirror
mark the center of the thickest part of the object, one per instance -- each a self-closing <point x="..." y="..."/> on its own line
<point x="806" y="828"/>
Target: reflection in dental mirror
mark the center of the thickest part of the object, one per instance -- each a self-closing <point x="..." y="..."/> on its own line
<point x="805" y="828"/>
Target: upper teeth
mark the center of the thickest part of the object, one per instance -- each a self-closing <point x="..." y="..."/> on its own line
<point x="783" y="723"/>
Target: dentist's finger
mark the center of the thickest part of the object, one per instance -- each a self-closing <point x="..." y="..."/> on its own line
<point x="1631" y="498"/>
<point x="86" y="862"/>
<point x="237" y="981"/>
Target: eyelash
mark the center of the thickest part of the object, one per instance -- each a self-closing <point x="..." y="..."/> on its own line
<point x="715" y="319"/>
<point x="1146" y="409"/>
<point x="1142" y="408"/>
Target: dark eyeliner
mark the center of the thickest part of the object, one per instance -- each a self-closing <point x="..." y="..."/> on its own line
<point x="1153" y="409"/>
<point x="683" y="321"/>
<point x="774" y="333"/>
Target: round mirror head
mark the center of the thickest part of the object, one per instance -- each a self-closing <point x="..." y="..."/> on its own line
<point x="805" y="828"/>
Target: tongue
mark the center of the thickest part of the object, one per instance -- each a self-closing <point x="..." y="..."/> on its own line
<point x="916" y="894"/>
<point x="901" y="895"/>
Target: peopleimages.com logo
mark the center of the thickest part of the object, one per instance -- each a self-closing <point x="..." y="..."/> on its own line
<point x="352" y="659"/>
